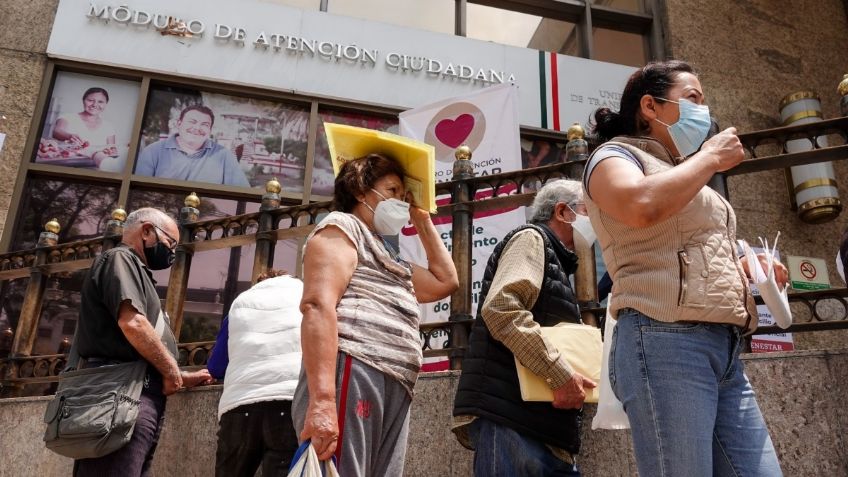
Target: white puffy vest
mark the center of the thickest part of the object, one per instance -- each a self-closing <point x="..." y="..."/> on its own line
<point x="263" y="344"/>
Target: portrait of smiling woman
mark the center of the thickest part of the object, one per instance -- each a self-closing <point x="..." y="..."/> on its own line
<point x="88" y="122"/>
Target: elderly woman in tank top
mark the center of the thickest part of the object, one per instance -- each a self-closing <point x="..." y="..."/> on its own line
<point x="361" y="348"/>
<point x="680" y="294"/>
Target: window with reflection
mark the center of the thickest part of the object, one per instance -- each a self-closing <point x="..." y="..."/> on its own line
<point x="11" y="299"/>
<point x="215" y="279"/>
<point x="89" y="122"/>
<point x="619" y="47"/>
<point x="432" y="15"/>
<point x="322" y="170"/>
<point x="210" y="208"/>
<point x="81" y="208"/>
<point x="193" y="135"/>
<point x="541" y="152"/>
<point x="522" y="30"/>
<point x="59" y="312"/>
<point x="286" y="256"/>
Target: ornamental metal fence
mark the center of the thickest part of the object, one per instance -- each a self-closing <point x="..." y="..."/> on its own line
<point x="819" y="310"/>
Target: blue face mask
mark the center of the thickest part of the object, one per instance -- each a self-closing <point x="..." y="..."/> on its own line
<point x="690" y="131"/>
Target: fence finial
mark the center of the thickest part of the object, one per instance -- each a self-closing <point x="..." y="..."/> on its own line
<point x="190" y="213"/>
<point x="115" y="226"/>
<point x="271" y="197"/>
<point x="463" y="168"/>
<point x="52" y="226"/>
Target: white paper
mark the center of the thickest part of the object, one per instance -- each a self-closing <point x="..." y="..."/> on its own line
<point x="610" y="414"/>
<point x="2" y="140"/>
<point x="776" y="300"/>
<point x="839" y="268"/>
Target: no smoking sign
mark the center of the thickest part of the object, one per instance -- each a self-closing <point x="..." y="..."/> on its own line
<point x="807" y="273"/>
<point x="808" y="270"/>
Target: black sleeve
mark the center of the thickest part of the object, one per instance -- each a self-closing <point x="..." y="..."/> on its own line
<point x="120" y="280"/>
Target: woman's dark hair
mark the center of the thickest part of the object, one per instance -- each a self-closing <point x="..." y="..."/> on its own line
<point x="654" y="79"/>
<point x="91" y="91"/>
<point x="358" y="176"/>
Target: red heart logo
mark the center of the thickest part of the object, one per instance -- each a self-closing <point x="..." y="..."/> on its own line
<point x="452" y="132"/>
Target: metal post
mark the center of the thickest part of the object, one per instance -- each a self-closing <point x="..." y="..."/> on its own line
<point x="31" y="308"/>
<point x="114" y="228"/>
<point x="463" y="216"/>
<point x="576" y="150"/>
<point x="264" y="243"/>
<point x="178" y="282"/>
<point x="586" y="280"/>
<point x="27" y="330"/>
<point x="586" y="277"/>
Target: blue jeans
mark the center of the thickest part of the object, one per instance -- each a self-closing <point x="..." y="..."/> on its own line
<point x="691" y="408"/>
<point x="500" y="451"/>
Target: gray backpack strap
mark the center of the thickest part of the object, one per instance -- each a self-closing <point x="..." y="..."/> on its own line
<point x="159" y="327"/>
<point x="73" y="354"/>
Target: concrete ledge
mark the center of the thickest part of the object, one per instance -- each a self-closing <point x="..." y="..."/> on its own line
<point x="800" y="394"/>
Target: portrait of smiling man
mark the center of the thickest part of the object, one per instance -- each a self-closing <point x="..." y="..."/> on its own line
<point x="190" y="155"/>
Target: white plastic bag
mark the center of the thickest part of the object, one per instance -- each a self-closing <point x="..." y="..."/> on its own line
<point x="610" y="413"/>
<point x="306" y="463"/>
<point x="775" y="299"/>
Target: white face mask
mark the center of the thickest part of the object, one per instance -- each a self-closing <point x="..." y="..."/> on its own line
<point x="390" y="215"/>
<point x="583" y="226"/>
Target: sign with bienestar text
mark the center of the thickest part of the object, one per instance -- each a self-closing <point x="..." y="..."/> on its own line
<point x="807" y="273"/>
<point x="268" y="45"/>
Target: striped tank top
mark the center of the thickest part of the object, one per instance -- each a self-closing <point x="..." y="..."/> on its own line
<point x="378" y="314"/>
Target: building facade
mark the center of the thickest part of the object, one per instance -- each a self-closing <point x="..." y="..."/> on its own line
<point x="272" y="72"/>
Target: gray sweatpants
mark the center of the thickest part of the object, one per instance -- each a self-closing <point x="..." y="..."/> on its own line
<point x="373" y="419"/>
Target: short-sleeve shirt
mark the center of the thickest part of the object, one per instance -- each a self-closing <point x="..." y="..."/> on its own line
<point x="378" y="314"/>
<point x="117" y="275"/>
<point x="211" y="163"/>
<point x="605" y="152"/>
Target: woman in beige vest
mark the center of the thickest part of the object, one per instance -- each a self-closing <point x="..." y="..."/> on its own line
<point x="680" y="293"/>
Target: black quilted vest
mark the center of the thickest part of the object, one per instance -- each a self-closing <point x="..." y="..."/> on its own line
<point x="488" y="386"/>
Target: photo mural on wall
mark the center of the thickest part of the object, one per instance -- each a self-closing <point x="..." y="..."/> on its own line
<point x="192" y="135"/>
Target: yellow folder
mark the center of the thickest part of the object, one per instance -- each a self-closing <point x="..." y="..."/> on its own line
<point x="418" y="159"/>
<point x="580" y="346"/>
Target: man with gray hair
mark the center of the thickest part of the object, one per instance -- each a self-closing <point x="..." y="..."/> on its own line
<point x="526" y="285"/>
<point x="119" y="309"/>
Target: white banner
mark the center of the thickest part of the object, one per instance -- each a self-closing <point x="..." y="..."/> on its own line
<point x="486" y="121"/>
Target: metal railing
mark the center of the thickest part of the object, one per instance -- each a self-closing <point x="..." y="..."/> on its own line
<point x="814" y="311"/>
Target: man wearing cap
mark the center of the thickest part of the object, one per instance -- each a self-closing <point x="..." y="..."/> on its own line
<point x="526" y="285"/>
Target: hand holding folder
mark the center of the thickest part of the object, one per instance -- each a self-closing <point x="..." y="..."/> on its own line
<point x="581" y="347"/>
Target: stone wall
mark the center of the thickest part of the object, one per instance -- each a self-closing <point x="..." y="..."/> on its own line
<point x="24" y="31"/>
<point x="750" y="54"/>
<point x="800" y="394"/>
